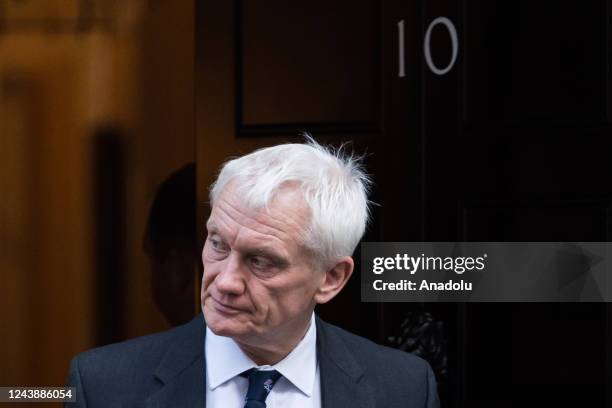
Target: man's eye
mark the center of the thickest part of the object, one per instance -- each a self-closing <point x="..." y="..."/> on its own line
<point x="217" y="245"/>
<point x="259" y="262"/>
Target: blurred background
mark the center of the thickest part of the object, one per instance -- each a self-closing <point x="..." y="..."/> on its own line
<point x="96" y="110"/>
<point x="480" y="121"/>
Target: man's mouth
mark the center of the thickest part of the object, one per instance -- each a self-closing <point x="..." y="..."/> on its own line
<point x="223" y="308"/>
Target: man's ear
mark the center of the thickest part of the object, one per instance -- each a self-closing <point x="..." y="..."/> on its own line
<point x="335" y="278"/>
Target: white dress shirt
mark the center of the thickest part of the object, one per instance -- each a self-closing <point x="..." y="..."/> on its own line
<point x="299" y="387"/>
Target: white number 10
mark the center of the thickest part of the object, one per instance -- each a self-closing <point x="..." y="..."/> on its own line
<point x="452" y="31"/>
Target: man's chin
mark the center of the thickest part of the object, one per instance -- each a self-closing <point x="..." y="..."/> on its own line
<point x="228" y="330"/>
<point x="227" y="326"/>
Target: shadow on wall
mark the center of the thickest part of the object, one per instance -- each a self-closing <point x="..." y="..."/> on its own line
<point x="169" y="240"/>
<point x="171" y="245"/>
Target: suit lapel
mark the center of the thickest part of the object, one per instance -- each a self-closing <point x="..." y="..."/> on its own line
<point x="343" y="383"/>
<point x="182" y="371"/>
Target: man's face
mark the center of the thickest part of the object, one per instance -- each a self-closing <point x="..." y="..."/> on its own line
<point x="259" y="282"/>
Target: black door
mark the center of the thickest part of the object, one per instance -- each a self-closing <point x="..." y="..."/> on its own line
<point x="498" y="130"/>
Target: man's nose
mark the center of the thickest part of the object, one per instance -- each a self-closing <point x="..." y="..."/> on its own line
<point x="230" y="279"/>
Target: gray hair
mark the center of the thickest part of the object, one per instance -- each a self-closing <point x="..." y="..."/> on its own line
<point x="333" y="182"/>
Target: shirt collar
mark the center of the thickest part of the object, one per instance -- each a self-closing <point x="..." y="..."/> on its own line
<point x="225" y="360"/>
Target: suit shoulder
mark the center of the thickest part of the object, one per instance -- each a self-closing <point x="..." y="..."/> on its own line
<point x="130" y="349"/>
<point x="404" y="376"/>
<point x="126" y="371"/>
<point x="131" y="355"/>
<point x="374" y="355"/>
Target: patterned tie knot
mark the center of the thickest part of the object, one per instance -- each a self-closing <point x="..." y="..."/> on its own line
<point x="260" y="385"/>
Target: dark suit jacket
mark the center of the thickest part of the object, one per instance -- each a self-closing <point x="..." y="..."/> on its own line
<point x="168" y="370"/>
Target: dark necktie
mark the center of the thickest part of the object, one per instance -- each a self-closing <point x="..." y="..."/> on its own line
<point x="260" y="385"/>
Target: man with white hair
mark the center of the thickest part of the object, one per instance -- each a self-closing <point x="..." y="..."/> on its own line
<point x="285" y="221"/>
